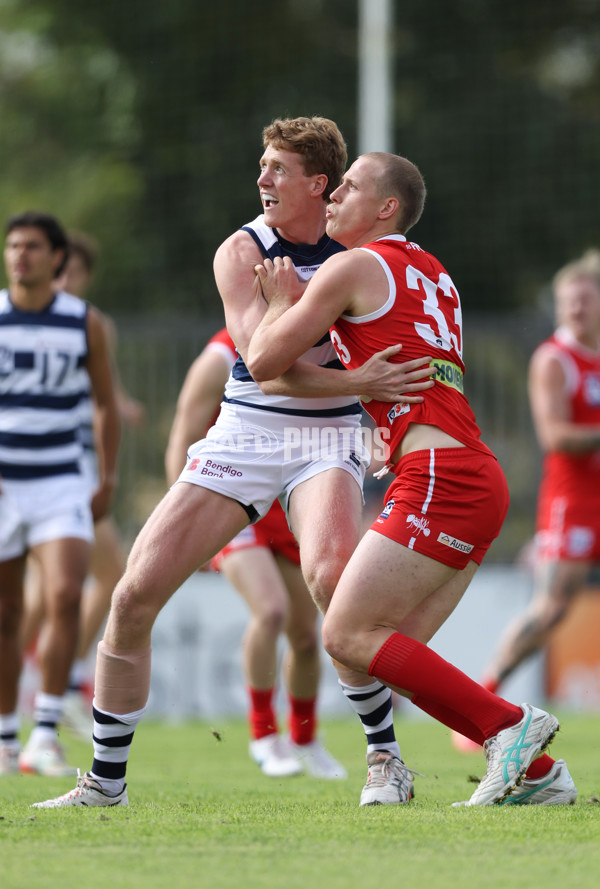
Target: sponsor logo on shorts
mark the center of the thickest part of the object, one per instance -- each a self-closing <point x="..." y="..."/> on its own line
<point x="214" y="470"/>
<point x="418" y="524"/>
<point x="455" y="543"/>
<point x="397" y="411"/>
<point x="386" y="512"/>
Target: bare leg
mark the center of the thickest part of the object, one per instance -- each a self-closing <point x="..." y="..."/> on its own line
<point x="107" y="567"/>
<point x="555" y="586"/>
<point x="302" y="665"/>
<point x="255" y="575"/>
<point x="187" y="528"/>
<point x="33" y="611"/>
<point x="64" y="564"/>
<point x="11" y="607"/>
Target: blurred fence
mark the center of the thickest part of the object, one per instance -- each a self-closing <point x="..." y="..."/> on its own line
<point x="154" y="356"/>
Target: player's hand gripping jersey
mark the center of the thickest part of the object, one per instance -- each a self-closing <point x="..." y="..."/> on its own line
<point x="423" y="313"/>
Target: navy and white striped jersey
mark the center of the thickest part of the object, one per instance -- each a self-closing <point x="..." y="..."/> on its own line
<point x="43" y="379"/>
<point x="241" y="388"/>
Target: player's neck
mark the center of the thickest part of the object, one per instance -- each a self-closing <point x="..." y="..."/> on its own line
<point x="31" y="298"/>
<point x="589" y="341"/>
<point x="303" y="231"/>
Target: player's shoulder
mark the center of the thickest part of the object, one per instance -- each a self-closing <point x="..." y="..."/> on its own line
<point x="221" y="339"/>
<point x="68" y="304"/>
<point x="552" y="364"/>
<point x="239" y="245"/>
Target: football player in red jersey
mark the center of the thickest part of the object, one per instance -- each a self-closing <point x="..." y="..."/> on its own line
<point x="449" y="496"/>
<point x="564" y="394"/>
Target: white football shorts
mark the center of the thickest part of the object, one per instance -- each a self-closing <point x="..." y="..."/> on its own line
<point x="255" y="456"/>
<point x="33" y="512"/>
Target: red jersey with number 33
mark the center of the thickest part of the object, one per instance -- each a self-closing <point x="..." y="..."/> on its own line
<point x="423" y="313"/>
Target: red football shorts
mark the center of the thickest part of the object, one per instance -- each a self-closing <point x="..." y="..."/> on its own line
<point x="446" y="503"/>
<point x="272" y="532"/>
<point x="567" y="528"/>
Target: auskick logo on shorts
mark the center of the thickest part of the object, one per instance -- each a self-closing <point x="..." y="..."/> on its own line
<point x="397" y="411"/>
<point x="455" y="543"/>
<point x="418" y="524"/>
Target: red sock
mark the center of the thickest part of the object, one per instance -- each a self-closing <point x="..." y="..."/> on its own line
<point x="303" y="719"/>
<point x="540" y="767"/>
<point x="449" y="717"/>
<point x="408" y="664"/>
<point x="261" y="717"/>
<point x="491" y="684"/>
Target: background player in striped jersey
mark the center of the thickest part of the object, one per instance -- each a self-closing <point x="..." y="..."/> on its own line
<point x="449" y="498"/>
<point x="243" y="464"/>
<point x="108" y="557"/>
<point x="51" y="346"/>
<point x="263" y="564"/>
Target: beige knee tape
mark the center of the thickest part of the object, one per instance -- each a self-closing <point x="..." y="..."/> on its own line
<point x="122" y="679"/>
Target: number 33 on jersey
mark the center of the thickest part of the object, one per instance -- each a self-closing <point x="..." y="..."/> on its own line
<point x="423" y="312"/>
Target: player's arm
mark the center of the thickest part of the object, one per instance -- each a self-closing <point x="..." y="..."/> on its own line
<point x="377" y="379"/>
<point x="245" y="308"/>
<point x="131" y="411"/>
<point x="239" y="287"/>
<point x="343" y="284"/>
<point x="285" y="331"/>
<point x="99" y="368"/>
<point x="550" y="408"/>
<point x="197" y="404"/>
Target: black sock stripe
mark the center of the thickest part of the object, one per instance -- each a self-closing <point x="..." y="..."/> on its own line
<point x="385" y="736"/>
<point x="367" y="695"/>
<point x="122" y="741"/>
<point x="378" y="715"/>
<point x="105" y="719"/>
<point x="112" y="770"/>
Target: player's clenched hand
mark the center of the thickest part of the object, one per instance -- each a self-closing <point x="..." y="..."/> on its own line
<point x="381" y="380"/>
<point x="279" y="282"/>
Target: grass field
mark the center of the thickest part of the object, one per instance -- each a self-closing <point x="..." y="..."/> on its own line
<point x="202" y="815"/>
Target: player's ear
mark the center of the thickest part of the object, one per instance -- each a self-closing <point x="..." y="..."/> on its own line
<point x="319" y="184"/>
<point x="389" y="208"/>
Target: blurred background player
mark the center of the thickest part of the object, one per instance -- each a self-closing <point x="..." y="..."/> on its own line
<point x="108" y="556"/>
<point x="53" y="350"/>
<point x="263" y="564"/>
<point x="564" y="395"/>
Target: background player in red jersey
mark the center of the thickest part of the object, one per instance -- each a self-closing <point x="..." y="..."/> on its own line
<point x="449" y="498"/>
<point x="564" y="393"/>
<point x="263" y="564"/>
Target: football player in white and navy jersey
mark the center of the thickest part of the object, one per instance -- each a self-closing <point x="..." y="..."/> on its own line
<point x="52" y="348"/>
<point x="255" y="453"/>
<point x="108" y="553"/>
